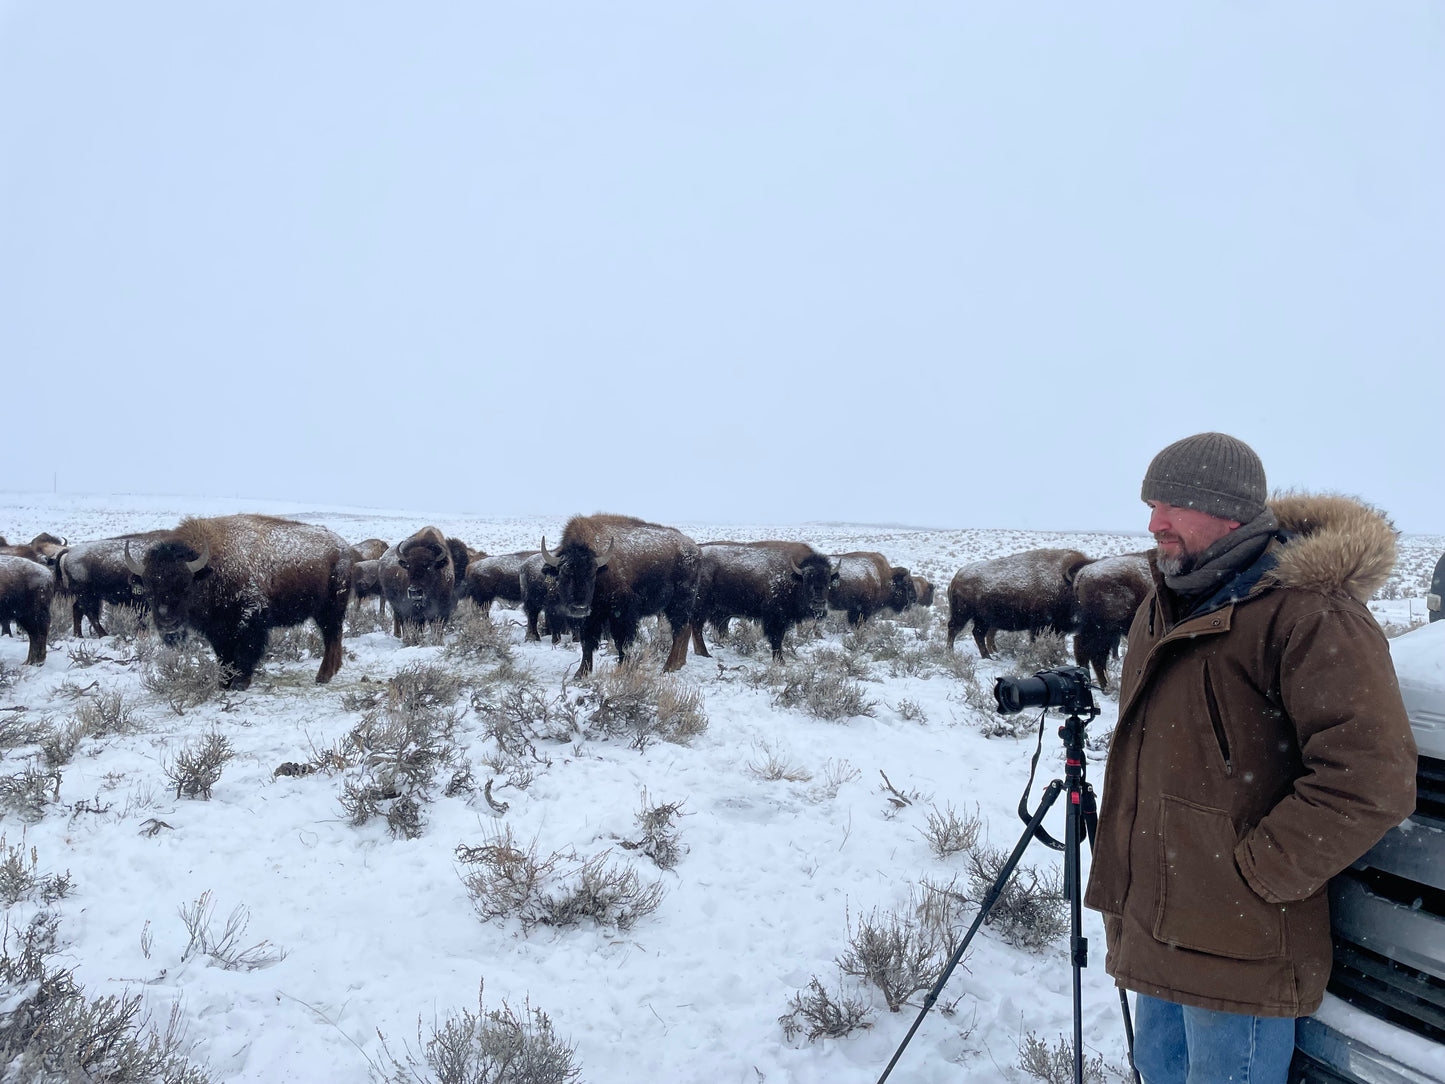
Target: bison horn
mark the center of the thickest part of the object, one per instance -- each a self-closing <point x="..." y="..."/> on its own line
<point x="547" y="558"/>
<point x="607" y="553"/>
<point x="132" y="564"/>
<point x="200" y="562"/>
<point x="797" y="569"/>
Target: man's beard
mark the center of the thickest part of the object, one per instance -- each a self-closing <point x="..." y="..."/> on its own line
<point x="1176" y="565"/>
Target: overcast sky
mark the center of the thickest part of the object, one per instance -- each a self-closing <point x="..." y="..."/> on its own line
<point x="943" y="263"/>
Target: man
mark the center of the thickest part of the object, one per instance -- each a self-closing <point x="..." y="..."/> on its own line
<point x="1261" y="748"/>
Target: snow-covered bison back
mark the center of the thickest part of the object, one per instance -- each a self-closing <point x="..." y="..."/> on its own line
<point x="234" y="578"/>
<point x="496" y="577"/>
<point x="612" y="571"/>
<point x="1029" y="591"/>
<point x="93" y="573"/>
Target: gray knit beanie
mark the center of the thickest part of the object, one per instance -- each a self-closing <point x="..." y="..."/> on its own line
<point x="1209" y="472"/>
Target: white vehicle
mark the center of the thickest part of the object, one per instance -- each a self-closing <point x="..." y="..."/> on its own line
<point x="1383" y="1019"/>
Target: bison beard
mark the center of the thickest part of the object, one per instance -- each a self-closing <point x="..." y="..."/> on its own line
<point x="612" y="571"/>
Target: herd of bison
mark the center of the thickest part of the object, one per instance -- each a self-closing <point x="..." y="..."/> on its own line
<point x="234" y="578"/>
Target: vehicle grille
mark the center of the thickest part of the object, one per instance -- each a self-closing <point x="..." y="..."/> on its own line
<point x="1430" y="788"/>
<point x="1384" y="988"/>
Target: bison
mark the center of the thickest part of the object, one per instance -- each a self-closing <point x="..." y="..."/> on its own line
<point x="234" y="578"/>
<point x="496" y="577"/>
<point x="776" y="583"/>
<point x="369" y="549"/>
<point x="1106" y="594"/>
<point x="93" y="573"/>
<point x="1032" y="591"/>
<point x="26" y="588"/>
<point x="419" y="577"/>
<point x="866" y="584"/>
<point x="612" y="571"/>
<point x="366" y="583"/>
<point x="923" y="591"/>
<point x="540" y="597"/>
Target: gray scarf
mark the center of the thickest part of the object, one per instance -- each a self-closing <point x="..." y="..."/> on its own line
<point x="1226" y="557"/>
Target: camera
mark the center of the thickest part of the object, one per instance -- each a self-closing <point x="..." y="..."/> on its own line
<point x="1066" y="689"/>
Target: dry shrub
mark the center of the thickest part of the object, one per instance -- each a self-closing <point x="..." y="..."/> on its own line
<point x="19" y="728"/>
<point x="51" y="1034"/>
<point x="893" y="953"/>
<point x="771" y="765"/>
<point x="560" y="890"/>
<point x="476" y="639"/>
<point x="1030" y="654"/>
<point x="423" y="687"/>
<point x="61" y="620"/>
<point x="633" y="700"/>
<point x="949" y="834"/>
<point x="125" y="623"/>
<point x="746" y="638"/>
<point x="820" y="1015"/>
<point x="223" y="948"/>
<point x="399" y="749"/>
<point x="518" y="711"/>
<point x="27" y="792"/>
<point x="363" y="619"/>
<point x="198" y="765"/>
<point x="423" y="634"/>
<point x="497" y="1046"/>
<point x="1055" y="1064"/>
<point x="21" y="879"/>
<point x="294" y="643"/>
<point x="911" y="711"/>
<point x="822" y="691"/>
<point x="184" y="677"/>
<point x="105" y="714"/>
<point x="1030" y="912"/>
<point x="659" y="840"/>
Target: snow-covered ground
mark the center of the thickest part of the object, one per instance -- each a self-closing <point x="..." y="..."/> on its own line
<point x="380" y="933"/>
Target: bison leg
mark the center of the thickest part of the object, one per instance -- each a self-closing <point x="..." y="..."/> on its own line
<point x="698" y="647"/>
<point x="981" y="635"/>
<point x="241" y="654"/>
<point x="591" y="637"/>
<point x="37" y="627"/>
<point x="330" y="625"/>
<point x="532" y="635"/>
<point x="774" y="629"/>
<point x="395" y="623"/>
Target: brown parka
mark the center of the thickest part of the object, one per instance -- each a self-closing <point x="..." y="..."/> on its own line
<point x="1261" y="748"/>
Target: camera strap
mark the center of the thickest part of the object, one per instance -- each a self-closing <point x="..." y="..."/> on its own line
<point x="1024" y="812"/>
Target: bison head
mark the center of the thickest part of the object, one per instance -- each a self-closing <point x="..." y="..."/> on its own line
<point x="902" y="593"/>
<point x="576" y="566"/>
<point x="426" y="558"/>
<point x="168" y="576"/>
<point x="816" y="577"/>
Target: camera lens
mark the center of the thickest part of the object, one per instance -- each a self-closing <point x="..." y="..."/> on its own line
<point x="1015" y="694"/>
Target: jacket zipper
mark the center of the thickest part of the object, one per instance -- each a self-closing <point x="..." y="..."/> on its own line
<point x="1217" y="721"/>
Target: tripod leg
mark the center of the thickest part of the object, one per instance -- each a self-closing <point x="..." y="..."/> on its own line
<point x="995" y="890"/>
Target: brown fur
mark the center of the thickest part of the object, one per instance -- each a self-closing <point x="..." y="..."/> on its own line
<point x="981" y="593"/>
<point x="1107" y="593"/>
<point x="651" y="570"/>
<point x="419" y="577"/>
<point x="262" y="573"/>
<point x="370" y="549"/>
<point x="924" y="590"/>
<point x="25" y="591"/>
<point x="861" y="595"/>
<point x="1344" y="546"/>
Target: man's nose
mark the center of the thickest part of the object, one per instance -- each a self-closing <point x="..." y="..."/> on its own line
<point x="1158" y="520"/>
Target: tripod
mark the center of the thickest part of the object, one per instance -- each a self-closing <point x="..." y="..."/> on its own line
<point x="1081" y="819"/>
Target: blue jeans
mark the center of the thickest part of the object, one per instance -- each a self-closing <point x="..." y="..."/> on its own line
<point x="1177" y="1044"/>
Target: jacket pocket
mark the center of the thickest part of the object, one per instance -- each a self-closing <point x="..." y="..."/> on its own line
<point x="1216" y="720"/>
<point x="1204" y="902"/>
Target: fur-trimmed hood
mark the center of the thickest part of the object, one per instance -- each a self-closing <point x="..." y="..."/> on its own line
<point x="1341" y="545"/>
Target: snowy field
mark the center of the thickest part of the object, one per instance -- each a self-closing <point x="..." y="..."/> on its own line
<point x="790" y="838"/>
